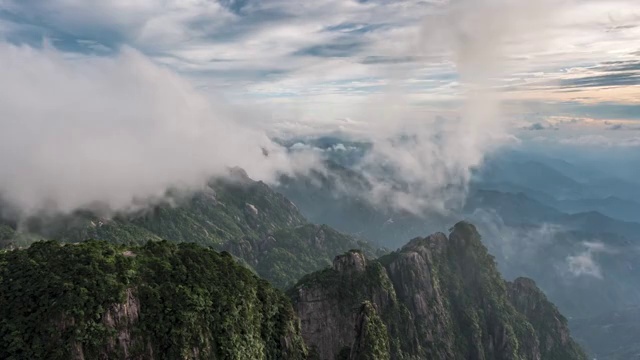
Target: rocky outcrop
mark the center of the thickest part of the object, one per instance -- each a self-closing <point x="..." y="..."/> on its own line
<point x="550" y="326"/>
<point x="121" y="318"/>
<point x="353" y="261"/>
<point x="437" y="298"/>
<point x="329" y="302"/>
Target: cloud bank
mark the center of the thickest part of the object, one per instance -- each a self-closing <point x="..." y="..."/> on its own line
<point x="309" y="65"/>
<point x="114" y="130"/>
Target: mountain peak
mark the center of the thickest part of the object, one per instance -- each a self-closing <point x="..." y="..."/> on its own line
<point x="438" y="297"/>
<point x="352" y="261"/>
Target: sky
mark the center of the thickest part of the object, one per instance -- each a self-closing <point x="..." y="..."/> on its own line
<point x="145" y="77"/>
<point x="324" y="61"/>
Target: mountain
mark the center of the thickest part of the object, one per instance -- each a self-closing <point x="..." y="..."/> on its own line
<point x="269" y="234"/>
<point x="95" y="300"/>
<point x="583" y="261"/>
<point x="531" y="174"/>
<point x="438" y="298"/>
<point x="583" y="274"/>
<point x="513" y="208"/>
<point x="570" y="225"/>
<point x="626" y="210"/>
<point x="338" y="197"/>
<point x="518" y="208"/>
<point x="244" y="217"/>
<point x="595" y="222"/>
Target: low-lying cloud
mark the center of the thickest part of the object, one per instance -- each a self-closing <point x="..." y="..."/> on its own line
<point x="583" y="264"/>
<point x="114" y="130"/>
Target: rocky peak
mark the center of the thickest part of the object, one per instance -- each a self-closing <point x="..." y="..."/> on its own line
<point x="435" y="242"/>
<point x="464" y="236"/>
<point x="352" y="261"/>
<point x="437" y="298"/>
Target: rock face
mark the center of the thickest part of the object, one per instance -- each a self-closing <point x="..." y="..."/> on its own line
<point x="437" y="298"/>
<point x="551" y="327"/>
<point x="330" y="319"/>
<point x="353" y="261"/>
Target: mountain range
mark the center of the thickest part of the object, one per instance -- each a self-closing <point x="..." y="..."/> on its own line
<point x="235" y="271"/>
<point x="548" y="219"/>
<point x="585" y="261"/>
<point x="438" y="297"/>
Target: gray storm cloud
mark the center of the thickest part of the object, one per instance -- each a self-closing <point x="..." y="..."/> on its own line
<point x="77" y="131"/>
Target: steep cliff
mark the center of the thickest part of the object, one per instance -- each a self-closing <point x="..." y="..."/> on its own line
<point x="550" y="326"/>
<point x="438" y="297"/>
<point x="159" y="301"/>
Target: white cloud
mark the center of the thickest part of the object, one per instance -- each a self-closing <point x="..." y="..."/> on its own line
<point x="222" y="48"/>
<point x="339" y="147"/>
<point x="401" y="69"/>
<point x="584" y="264"/>
<point x="77" y="131"/>
<point x="601" y="140"/>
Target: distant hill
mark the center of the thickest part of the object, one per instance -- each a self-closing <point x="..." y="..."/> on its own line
<point x="612" y="206"/>
<point x="519" y="208"/>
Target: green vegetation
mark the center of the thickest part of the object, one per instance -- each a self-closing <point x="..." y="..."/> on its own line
<point x="244" y="217"/>
<point x="373" y="341"/>
<point x="131" y="294"/>
<point x="288" y="254"/>
<point x="164" y="301"/>
<point x="351" y="289"/>
<point x="478" y="300"/>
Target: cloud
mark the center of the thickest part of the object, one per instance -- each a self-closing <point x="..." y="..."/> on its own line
<point x="622" y="125"/>
<point x="599" y="247"/>
<point x="583" y="264"/>
<point x="340" y="48"/>
<point x="630" y="78"/>
<point x="433" y="160"/>
<point x="259" y="47"/>
<point x="600" y="141"/>
<point x="516" y="245"/>
<point x="421" y="162"/>
<point x="112" y="130"/>
<point x="394" y="67"/>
